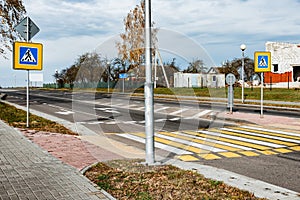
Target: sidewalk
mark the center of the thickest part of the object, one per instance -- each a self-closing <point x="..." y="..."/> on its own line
<point x="28" y="172"/>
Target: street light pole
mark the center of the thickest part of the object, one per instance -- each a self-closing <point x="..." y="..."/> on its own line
<point x="149" y="113"/>
<point x="56" y="79"/>
<point x="243" y="48"/>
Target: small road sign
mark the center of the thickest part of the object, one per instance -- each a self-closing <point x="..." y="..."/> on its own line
<point x="230" y="79"/>
<point x="27" y="56"/>
<point x="27" y="25"/>
<point x="123" y="75"/>
<point x="262" y="61"/>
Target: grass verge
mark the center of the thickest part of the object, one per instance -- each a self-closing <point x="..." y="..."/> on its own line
<point x="17" y="118"/>
<point x="128" y="179"/>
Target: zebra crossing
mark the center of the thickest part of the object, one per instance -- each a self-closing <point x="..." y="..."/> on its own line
<point x="226" y="142"/>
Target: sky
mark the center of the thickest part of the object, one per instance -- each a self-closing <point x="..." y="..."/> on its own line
<point x="212" y="30"/>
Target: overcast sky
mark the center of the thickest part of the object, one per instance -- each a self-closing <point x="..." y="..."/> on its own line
<point x="69" y="28"/>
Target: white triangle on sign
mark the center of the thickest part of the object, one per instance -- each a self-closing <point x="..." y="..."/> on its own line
<point x="28" y="57"/>
<point x="262" y="62"/>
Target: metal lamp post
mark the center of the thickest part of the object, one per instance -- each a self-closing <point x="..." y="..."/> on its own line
<point x="56" y="78"/>
<point x="243" y="48"/>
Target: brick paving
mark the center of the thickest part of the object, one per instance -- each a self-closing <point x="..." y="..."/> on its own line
<point x="70" y="149"/>
<point x="29" y="172"/>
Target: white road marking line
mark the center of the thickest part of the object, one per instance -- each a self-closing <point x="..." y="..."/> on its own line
<point x="204" y="112"/>
<point x="160" y="109"/>
<point x="141" y="108"/>
<point x="129" y="122"/>
<point x="174" y="119"/>
<point x="242" y="139"/>
<point x="160" y="120"/>
<point x="215" y="141"/>
<point x="112" y="111"/>
<point x="262" y="135"/>
<point x="189" y="143"/>
<point x="65" y="112"/>
<point x="111" y="123"/>
<point x="94" y="123"/>
<point x="179" y="111"/>
<point x="157" y="144"/>
<point x="272" y="131"/>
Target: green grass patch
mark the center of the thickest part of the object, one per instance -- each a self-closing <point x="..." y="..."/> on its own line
<point x="17" y="118"/>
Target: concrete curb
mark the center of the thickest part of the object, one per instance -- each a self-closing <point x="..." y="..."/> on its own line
<point x="258" y="188"/>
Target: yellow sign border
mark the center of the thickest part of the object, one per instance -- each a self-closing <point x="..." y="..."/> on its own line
<point x="262" y="53"/>
<point x="16" y="56"/>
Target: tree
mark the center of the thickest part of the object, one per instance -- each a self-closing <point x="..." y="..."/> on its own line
<point x="196" y="66"/>
<point x="11" y="11"/>
<point x="235" y="65"/>
<point x="131" y="48"/>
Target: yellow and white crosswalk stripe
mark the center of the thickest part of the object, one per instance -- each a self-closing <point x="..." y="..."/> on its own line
<point x="227" y="142"/>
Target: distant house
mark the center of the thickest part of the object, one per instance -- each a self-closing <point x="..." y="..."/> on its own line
<point x="285" y="58"/>
<point x="189" y="80"/>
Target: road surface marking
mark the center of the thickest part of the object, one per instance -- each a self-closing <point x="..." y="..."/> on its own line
<point x="204" y="112"/>
<point x="230" y="155"/>
<point x="272" y="139"/>
<point x="234" y="140"/>
<point x="157" y="144"/>
<point x="160" y="109"/>
<point x="194" y="135"/>
<point x="209" y="156"/>
<point x="246" y="138"/>
<point x="188" y="158"/>
<point x="179" y="111"/>
<point x="217" y="143"/>
<point x="268" y="152"/>
<point x="210" y="143"/>
<point x="272" y="130"/>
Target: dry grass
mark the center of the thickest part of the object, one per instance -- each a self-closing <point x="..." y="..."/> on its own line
<point x="17" y="118"/>
<point x="128" y="179"/>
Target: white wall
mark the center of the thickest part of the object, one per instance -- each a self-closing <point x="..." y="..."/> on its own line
<point x="286" y="55"/>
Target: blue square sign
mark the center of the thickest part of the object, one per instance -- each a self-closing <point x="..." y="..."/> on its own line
<point x="28" y="55"/>
<point x="263" y="61"/>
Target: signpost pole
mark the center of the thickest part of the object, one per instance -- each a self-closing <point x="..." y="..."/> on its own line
<point x="230" y="80"/>
<point x="27" y="97"/>
<point x="27" y="29"/>
<point x="123" y="85"/>
<point x="27" y="89"/>
<point x="262" y="63"/>
<point x="262" y="96"/>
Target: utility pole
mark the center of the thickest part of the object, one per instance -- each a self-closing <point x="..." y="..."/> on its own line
<point x="148" y="92"/>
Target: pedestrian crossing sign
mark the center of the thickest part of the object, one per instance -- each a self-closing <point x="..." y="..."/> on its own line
<point x="27" y="56"/>
<point x="262" y="61"/>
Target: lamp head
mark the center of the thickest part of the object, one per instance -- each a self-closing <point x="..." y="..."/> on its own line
<point x="243" y="47"/>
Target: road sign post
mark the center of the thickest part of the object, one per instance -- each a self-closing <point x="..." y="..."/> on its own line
<point x="262" y="63"/>
<point x="27" y="56"/>
<point x="230" y="80"/>
<point x="123" y="76"/>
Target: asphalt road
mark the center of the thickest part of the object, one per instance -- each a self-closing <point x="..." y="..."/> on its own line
<point x="112" y="114"/>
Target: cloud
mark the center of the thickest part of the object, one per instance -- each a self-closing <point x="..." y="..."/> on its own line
<point x="69" y="28"/>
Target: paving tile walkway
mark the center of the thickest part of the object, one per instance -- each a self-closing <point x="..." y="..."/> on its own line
<point x="70" y="149"/>
<point x="29" y="172"/>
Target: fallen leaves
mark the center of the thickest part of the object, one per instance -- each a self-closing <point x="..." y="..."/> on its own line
<point x="129" y="179"/>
